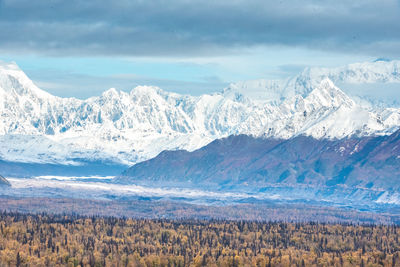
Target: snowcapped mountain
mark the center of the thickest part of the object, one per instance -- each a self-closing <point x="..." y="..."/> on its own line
<point x="131" y="127"/>
<point x="367" y="83"/>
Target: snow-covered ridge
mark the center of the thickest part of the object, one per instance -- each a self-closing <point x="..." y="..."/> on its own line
<point x="130" y="127"/>
<point x="376" y="74"/>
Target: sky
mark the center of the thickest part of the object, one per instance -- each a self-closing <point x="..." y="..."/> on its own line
<point x="82" y="48"/>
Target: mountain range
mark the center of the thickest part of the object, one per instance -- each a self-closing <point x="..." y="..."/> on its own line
<point x="130" y="127"/>
<point x="362" y="169"/>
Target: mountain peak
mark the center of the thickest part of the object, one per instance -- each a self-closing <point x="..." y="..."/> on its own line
<point x="328" y="94"/>
<point x="327" y="84"/>
<point x="9" y="65"/>
<point x="12" y="78"/>
<point x="110" y="92"/>
<point x="146" y="90"/>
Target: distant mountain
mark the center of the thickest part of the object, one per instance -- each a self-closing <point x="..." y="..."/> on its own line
<point x="358" y="80"/>
<point x="349" y="169"/>
<point x="125" y="128"/>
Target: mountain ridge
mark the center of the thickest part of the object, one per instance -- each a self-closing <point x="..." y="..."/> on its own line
<point x="363" y="169"/>
<point x="131" y="127"/>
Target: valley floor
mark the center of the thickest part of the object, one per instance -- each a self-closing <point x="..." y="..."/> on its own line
<point x="153" y="208"/>
<point x="99" y="196"/>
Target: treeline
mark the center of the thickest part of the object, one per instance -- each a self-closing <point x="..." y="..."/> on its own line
<point x="56" y="240"/>
<point x="155" y="208"/>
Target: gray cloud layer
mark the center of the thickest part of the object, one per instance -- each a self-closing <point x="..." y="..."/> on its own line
<point x="196" y="28"/>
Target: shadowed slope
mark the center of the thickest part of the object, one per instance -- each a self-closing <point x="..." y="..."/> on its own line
<point x="243" y="163"/>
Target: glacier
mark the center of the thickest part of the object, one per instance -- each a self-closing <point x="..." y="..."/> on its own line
<point x="130" y="127"/>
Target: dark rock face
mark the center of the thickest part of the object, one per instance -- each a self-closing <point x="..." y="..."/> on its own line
<point x="250" y="164"/>
<point x="4" y="182"/>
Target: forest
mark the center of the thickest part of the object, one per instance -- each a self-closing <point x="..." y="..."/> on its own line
<point x="73" y="240"/>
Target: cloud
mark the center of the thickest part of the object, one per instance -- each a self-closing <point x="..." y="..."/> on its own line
<point x="196" y="28"/>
